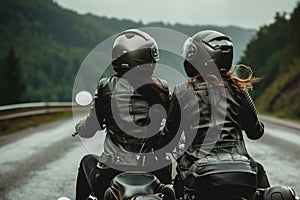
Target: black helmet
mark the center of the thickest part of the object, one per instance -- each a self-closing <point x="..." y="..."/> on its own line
<point x="134" y="48"/>
<point x="207" y="47"/>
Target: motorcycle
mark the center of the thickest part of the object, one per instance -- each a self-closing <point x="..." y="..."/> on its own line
<point x="145" y="186"/>
<point x="132" y="185"/>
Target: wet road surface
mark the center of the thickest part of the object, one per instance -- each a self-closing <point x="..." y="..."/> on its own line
<point x="41" y="163"/>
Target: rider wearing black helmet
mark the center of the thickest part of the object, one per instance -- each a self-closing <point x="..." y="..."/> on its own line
<point x="215" y="109"/>
<point x="206" y="47"/>
<point x="134" y="48"/>
<point x="122" y="105"/>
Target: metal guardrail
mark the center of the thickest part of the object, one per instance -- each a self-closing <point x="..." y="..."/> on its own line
<point x="29" y="109"/>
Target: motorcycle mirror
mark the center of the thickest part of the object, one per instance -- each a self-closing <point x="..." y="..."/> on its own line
<point x="63" y="198"/>
<point x="83" y="98"/>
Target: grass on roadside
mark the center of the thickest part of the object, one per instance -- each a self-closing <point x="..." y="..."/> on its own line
<point x="13" y="125"/>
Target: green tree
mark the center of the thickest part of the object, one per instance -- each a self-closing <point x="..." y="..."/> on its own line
<point x="263" y="52"/>
<point x="12" y="83"/>
<point x="52" y="42"/>
<point x="294" y="29"/>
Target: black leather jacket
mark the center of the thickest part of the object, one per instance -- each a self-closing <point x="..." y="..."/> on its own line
<point x="209" y="115"/>
<point x="125" y="115"/>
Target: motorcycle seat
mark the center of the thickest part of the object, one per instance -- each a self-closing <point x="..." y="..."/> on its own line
<point x="128" y="184"/>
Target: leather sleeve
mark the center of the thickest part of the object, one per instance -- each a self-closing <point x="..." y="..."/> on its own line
<point x="165" y="91"/>
<point x="99" y="104"/>
<point x="171" y="129"/>
<point x="89" y="126"/>
<point x="248" y="118"/>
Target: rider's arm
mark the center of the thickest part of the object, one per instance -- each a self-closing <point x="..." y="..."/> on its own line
<point x="248" y="118"/>
<point x="171" y="134"/>
<point x="89" y="126"/>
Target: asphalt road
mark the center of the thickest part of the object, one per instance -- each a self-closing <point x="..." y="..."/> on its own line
<point x="41" y="162"/>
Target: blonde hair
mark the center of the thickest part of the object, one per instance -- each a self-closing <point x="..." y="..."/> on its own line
<point x="243" y="83"/>
<point x="238" y="83"/>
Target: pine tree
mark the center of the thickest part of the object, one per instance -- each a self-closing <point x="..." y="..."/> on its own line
<point x="12" y="83"/>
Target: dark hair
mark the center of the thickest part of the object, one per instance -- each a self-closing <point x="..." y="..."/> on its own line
<point x="154" y="92"/>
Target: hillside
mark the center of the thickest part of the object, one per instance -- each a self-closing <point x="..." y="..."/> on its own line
<point x="51" y="43"/>
<point x="275" y="55"/>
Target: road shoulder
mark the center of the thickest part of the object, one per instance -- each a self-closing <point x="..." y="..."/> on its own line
<point x="279" y="121"/>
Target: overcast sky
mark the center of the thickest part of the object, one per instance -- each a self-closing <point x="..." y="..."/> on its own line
<point x="244" y="13"/>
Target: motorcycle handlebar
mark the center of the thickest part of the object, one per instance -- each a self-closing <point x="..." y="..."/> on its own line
<point x="74" y="133"/>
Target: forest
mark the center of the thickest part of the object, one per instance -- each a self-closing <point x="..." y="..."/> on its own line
<point x="50" y="43"/>
<point x="274" y="54"/>
<point x="43" y="45"/>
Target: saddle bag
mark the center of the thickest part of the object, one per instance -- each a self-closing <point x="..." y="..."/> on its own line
<point x="221" y="174"/>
